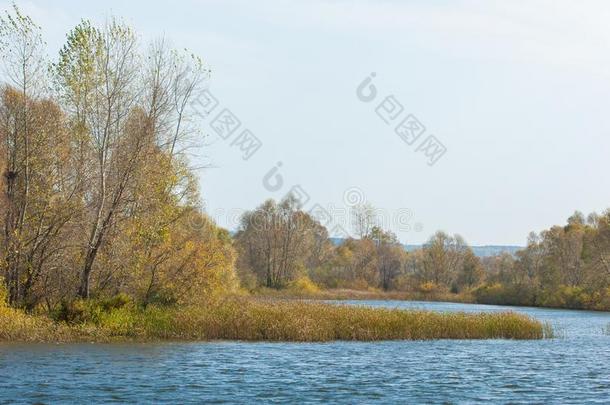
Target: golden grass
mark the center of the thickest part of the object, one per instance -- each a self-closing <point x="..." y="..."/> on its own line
<point x="272" y="320"/>
<point x="17" y="326"/>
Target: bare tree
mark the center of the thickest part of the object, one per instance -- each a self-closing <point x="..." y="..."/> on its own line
<point x="22" y="50"/>
<point x="276" y="240"/>
<point x="363" y="219"/>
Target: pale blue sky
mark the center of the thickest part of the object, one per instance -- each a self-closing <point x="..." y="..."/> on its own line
<point x="517" y="91"/>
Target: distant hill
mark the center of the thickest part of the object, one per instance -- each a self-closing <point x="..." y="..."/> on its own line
<point x="480" y="251"/>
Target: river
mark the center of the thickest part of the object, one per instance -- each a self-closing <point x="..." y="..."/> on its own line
<point x="572" y="368"/>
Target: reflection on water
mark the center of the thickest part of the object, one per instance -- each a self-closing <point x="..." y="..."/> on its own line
<point x="573" y="368"/>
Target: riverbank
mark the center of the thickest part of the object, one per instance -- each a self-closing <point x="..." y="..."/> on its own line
<point x="479" y="296"/>
<point x="343" y="294"/>
<point x="249" y="319"/>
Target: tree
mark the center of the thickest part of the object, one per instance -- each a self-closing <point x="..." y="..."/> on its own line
<point x="471" y="273"/>
<point x="390" y="256"/>
<point x="597" y="250"/>
<point x="443" y="256"/>
<point x="363" y="219"/>
<point x="43" y="237"/>
<point x="97" y="72"/>
<point x="563" y="266"/>
<point x="122" y="119"/>
<point x="563" y="248"/>
<point x="275" y="241"/>
<point x="22" y="49"/>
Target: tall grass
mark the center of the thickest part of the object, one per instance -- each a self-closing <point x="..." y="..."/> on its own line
<point x="271" y="320"/>
<point x="17" y="326"/>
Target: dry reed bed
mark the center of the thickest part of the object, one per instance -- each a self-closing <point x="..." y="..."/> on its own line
<point x="273" y="320"/>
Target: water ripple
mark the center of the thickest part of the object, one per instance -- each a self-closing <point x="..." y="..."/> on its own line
<point x="572" y="369"/>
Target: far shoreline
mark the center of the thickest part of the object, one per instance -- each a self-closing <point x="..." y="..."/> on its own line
<point x="345" y="294"/>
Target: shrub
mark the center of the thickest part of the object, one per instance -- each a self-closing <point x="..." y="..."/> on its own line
<point x="566" y="297"/>
<point x="604" y="301"/>
<point x="89" y="311"/>
<point x="499" y="294"/>
<point x="358" y="284"/>
<point x="303" y="285"/>
<point x="429" y="287"/>
<point x="3" y="293"/>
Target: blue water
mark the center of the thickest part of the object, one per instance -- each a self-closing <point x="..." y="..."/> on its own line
<point x="574" y="368"/>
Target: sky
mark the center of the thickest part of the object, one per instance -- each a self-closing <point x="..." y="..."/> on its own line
<point x="514" y="94"/>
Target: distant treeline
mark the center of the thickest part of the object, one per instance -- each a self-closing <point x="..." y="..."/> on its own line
<point x="565" y="266"/>
<point x="481" y="251"/>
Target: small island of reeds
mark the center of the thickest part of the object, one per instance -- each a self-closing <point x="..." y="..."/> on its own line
<point x="248" y="319"/>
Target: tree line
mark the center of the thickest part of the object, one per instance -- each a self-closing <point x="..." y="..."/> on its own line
<point x="278" y="243"/>
<point x="564" y="266"/>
